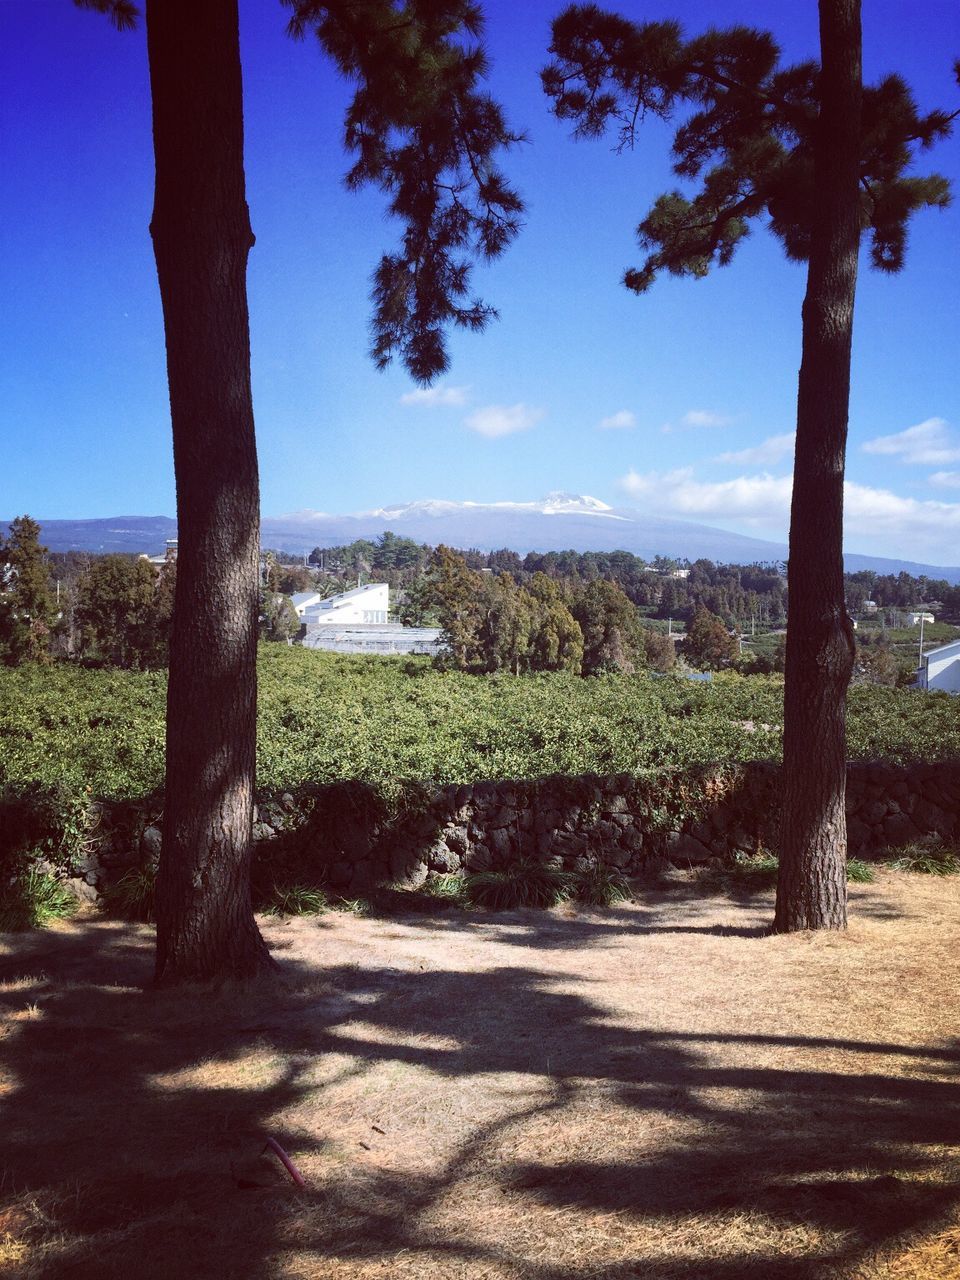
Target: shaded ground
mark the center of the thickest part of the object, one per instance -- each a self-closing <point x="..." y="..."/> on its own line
<point x="656" y="1090"/>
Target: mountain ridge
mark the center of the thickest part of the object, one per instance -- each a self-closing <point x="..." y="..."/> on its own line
<point x="559" y="522"/>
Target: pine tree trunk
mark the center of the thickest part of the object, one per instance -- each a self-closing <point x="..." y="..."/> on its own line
<point x="812" y="888"/>
<point x="201" y="235"/>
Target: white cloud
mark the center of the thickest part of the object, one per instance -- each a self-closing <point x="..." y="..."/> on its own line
<point x="495" y="420"/>
<point x="622" y="419"/>
<point x="946" y="479"/>
<point x="879" y="511"/>
<point x="442" y="394"/>
<point x="705" y="418"/>
<point x="908" y="528"/>
<point x="755" y="499"/>
<point x="928" y="444"/>
<point x="769" y="452"/>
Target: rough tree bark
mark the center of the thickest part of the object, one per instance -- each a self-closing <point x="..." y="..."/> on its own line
<point x="202" y="237"/>
<point x="812" y="887"/>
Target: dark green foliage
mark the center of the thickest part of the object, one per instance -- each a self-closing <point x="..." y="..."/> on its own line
<point x="748" y="139"/>
<point x="423" y="132"/>
<point x="133" y="897"/>
<point x="122" y="13"/>
<point x="525" y="883"/>
<point x="32" y="899"/>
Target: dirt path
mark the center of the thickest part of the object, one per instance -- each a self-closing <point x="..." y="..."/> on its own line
<point x="657" y="1090"/>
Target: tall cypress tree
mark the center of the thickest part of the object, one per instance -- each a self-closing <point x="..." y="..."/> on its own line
<point x="823" y="161"/>
<point x="423" y="132"/>
<point x="26" y="605"/>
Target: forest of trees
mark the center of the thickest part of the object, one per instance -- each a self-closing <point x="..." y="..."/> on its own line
<point x="575" y="611"/>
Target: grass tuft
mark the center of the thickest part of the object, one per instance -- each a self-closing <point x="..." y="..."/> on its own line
<point x="448" y="888"/>
<point x="33" y="899"/>
<point x="524" y="883"/>
<point x="755" y="870"/>
<point x="860" y="872"/>
<point x="295" y="900"/>
<point x="929" y="857"/>
<point x="351" y="906"/>
<point x="601" y="886"/>
<point x="134" y="896"/>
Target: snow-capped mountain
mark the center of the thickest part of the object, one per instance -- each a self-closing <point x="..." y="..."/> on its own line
<point x="558" y="522"/>
<point x="556" y="503"/>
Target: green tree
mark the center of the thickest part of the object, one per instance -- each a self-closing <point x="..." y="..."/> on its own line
<point x="122" y="612"/>
<point x="416" y="604"/>
<point x="26" y="604"/>
<point x="457" y="592"/>
<point x="508" y="614"/>
<point x="294" y="578"/>
<point x="708" y="644"/>
<point x="612" y="635"/>
<point x="661" y="652"/>
<point x="556" y="643"/>
<point x="422" y="131"/>
<point x="278" y="618"/>
<point x="822" y="161"/>
<point x="877" y="662"/>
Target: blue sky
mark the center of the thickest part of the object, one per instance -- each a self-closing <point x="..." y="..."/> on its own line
<point x="679" y="402"/>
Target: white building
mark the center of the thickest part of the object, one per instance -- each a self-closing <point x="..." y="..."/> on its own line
<point x="356" y="622"/>
<point x="913" y="619"/>
<point x="941" y="668"/>
<point x="364" y="605"/>
<point x="302" y="600"/>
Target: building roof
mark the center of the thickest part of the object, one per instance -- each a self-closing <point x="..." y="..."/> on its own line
<point x="943" y="648"/>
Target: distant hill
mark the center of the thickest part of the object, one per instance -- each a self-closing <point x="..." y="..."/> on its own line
<point x="560" y="522"/>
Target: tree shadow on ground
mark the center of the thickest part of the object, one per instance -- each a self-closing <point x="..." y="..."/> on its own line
<point x="133" y="1122"/>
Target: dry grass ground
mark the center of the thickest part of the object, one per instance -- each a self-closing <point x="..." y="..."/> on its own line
<point x="655" y="1090"/>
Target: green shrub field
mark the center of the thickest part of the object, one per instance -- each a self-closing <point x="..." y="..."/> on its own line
<point x="326" y="716"/>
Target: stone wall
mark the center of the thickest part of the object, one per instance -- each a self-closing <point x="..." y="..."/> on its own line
<point x="342" y="834"/>
<point x="621" y="821"/>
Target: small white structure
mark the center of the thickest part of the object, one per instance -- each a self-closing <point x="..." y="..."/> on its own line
<point x="363" y="605"/>
<point x="168" y="555"/>
<point x="941" y="668"/>
<point x="913" y="619"/>
<point x="870" y="607"/>
<point x="302" y="600"/>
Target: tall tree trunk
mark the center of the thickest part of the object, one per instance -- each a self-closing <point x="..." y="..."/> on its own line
<point x="201" y="235"/>
<point x="812" y="887"/>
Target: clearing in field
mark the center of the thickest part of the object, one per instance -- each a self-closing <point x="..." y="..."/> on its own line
<point x="658" y="1089"/>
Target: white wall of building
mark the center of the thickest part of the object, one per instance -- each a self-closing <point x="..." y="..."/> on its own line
<point x="941" y="668"/>
<point x="368" y="604"/>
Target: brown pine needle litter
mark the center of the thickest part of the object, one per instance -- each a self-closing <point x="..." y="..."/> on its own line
<point x="658" y="1089"/>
